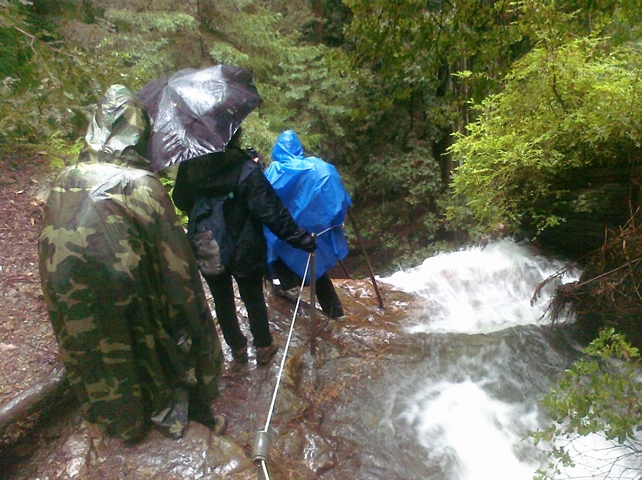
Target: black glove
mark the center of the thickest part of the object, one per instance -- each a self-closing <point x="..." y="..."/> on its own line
<point x="308" y="243"/>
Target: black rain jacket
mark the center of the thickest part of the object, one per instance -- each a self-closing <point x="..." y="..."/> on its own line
<point x="254" y="200"/>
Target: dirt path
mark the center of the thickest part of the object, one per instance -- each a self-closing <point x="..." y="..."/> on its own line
<point x="28" y="349"/>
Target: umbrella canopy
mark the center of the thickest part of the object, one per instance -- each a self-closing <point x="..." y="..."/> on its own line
<point x="196" y="111"/>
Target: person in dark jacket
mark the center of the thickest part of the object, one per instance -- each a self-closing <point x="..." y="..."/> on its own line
<point x="251" y="205"/>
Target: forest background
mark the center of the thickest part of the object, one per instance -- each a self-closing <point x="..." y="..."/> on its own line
<point x="449" y="122"/>
<point x="532" y="107"/>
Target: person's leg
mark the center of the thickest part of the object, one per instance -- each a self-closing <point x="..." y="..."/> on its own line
<point x="328" y="298"/>
<point x="287" y="278"/>
<point x="289" y="282"/>
<point x="223" y="294"/>
<point x="202" y="411"/>
<point x="251" y="290"/>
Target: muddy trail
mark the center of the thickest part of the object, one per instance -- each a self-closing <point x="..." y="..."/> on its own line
<point x="308" y="434"/>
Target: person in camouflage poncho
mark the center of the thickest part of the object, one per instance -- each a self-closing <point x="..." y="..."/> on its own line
<point x="122" y="287"/>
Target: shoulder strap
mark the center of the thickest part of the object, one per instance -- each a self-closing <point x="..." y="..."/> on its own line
<point x="247" y="168"/>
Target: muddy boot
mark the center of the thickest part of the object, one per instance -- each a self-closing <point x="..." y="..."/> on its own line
<point x="219" y="426"/>
<point x="264" y="355"/>
<point x="205" y="416"/>
<point x="240" y="354"/>
<point x="291" y="294"/>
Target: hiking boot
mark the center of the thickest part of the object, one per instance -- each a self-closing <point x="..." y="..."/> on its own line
<point x="291" y="294"/>
<point x="220" y="425"/>
<point x="240" y="354"/>
<point x="264" y="355"/>
<point x="204" y="414"/>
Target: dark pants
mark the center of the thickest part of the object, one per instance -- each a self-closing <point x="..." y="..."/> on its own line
<point x="326" y="294"/>
<point x="251" y="291"/>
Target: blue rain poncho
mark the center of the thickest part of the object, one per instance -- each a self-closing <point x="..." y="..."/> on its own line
<point x="313" y="192"/>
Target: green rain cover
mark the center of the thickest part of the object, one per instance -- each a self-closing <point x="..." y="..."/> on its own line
<point x="122" y="286"/>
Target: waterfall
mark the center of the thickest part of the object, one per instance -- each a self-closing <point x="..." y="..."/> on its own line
<point x="480" y="290"/>
<point x="458" y="401"/>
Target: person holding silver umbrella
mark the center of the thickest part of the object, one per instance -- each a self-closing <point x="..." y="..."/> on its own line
<point x="197" y="115"/>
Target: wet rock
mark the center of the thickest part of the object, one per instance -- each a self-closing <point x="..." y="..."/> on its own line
<point x="317" y="453"/>
<point x="310" y="434"/>
<point x="199" y="454"/>
<point x="76" y="452"/>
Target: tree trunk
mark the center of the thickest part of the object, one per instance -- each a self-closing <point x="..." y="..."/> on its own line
<point x="317" y="9"/>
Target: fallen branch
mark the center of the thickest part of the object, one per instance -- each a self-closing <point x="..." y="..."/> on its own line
<point x="34" y="398"/>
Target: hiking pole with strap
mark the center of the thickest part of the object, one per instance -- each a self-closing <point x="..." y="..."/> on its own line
<point x="261" y="447"/>
<point x="345" y="270"/>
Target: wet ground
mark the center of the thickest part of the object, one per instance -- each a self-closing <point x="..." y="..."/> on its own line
<point x="28" y="350"/>
<point x="309" y="438"/>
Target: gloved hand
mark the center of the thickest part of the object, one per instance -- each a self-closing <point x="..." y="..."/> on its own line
<point x="308" y="243"/>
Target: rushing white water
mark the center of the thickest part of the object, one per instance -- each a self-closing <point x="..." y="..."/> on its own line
<point x="479" y="290"/>
<point x="463" y="419"/>
<point x="484" y="356"/>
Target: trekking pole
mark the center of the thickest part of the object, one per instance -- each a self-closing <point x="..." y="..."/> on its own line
<point x="345" y="270"/>
<point x="363" y="249"/>
<point x="313" y="302"/>
<point x="261" y="447"/>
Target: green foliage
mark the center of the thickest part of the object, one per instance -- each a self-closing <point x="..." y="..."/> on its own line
<point x="418" y="64"/>
<point x="162" y="23"/>
<point x="426" y="70"/>
<point x="148" y="44"/>
<point x="62" y="153"/>
<point x="412" y="45"/>
<point x="54" y="78"/>
<point x="13" y="52"/>
<point x="561" y="111"/>
<point x="551" y="24"/>
<point x="305" y="87"/>
<point x="399" y="190"/>
<point x="45" y="96"/>
<point x="460" y="220"/>
<point x="600" y="394"/>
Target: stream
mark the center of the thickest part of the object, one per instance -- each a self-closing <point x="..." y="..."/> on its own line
<point x="458" y="401"/>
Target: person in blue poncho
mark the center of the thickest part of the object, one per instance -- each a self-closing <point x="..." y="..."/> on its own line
<point x="312" y="190"/>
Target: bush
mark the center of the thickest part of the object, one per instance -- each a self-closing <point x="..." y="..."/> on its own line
<point x="563" y="113"/>
<point x="600" y="394"/>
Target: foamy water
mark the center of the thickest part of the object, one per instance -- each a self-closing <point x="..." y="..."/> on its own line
<point x="474" y="398"/>
<point x="480" y="290"/>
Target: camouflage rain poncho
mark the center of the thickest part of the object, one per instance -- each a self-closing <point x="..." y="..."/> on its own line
<point x="121" y="285"/>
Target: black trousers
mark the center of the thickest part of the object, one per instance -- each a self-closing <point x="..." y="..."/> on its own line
<point x="326" y="294"/>
<point x="251" y="291"/>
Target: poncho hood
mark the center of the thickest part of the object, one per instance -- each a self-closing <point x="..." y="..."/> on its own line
<point x="118" y="131"/>
<point x="287" y="147"/>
